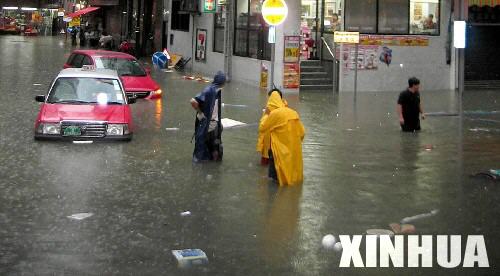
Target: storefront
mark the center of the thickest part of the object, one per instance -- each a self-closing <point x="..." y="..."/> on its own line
<point x="26" y="20"/>
<point x="400" y="38"/>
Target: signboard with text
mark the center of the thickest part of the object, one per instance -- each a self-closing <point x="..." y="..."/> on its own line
<point x="346" y="37"/>
<point x="209" y="6"/>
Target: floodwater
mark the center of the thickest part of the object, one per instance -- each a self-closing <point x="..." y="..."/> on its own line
<point x="360" y="173"/>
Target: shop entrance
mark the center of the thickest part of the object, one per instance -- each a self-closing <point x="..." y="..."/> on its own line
<point x="482" y="69"/>
<point x="319" y="18"/>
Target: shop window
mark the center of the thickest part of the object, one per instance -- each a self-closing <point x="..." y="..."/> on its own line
<point x="361" y="16"/>
<point x="180" y="19"/>
<point x="219" y="25"/>
<point x="424" y="17"/>
<point x="331" y="20"/>
<point x="250" y="39"/>
<point x="393" y="16"/>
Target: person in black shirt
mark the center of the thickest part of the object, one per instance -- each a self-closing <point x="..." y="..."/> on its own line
<point x="409" y="107"/>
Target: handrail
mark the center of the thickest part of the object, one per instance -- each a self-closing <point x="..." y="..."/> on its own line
<point x="328" y="47"/>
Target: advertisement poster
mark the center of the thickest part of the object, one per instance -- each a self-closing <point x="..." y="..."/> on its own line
<point x="201" y="47"/>
<point x="292" y="49"/>
<point x="368" y="57"/>
<point x="394" y="40"/>
<point x="291" y="75"/>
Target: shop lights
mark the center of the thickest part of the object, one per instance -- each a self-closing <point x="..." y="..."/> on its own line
<point x="10" y="8"/>
<point x="28" y="9"/>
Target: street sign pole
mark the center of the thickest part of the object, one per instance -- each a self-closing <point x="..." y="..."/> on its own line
<point x="274" y="12"/>
<point x="348" y="38"/>
<point x="272" y="41"/>
<point x="356" y="53"/>
<point x="334" y="77"/>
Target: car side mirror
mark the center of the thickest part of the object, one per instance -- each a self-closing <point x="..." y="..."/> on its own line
<point x="40" y="98"/>
<point x="131" y="99"/>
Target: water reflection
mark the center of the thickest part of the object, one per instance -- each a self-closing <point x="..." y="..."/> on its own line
<point x="279" y="232"/>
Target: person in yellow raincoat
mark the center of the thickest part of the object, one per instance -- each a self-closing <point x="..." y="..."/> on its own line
<point x="264" y="143"/>
<point x="282" y="134"/>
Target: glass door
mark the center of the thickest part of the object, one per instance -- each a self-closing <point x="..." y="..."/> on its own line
<point x="330" y="23"/>
<point x="310" y="28"/>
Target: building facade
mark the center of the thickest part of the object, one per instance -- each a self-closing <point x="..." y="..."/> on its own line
<point x="400" y="39"/>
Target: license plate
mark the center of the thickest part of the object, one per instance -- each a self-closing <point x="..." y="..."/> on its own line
<point x="72" y="131"/>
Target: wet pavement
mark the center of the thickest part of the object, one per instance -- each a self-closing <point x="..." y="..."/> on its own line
<point x="360" y="172"/>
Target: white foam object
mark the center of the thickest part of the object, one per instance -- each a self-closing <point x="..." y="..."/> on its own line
<point x="229" y="123"/>
<point x="80" y="216"/>
<point x="328" y="241"/>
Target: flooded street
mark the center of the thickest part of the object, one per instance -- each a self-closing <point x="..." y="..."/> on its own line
<point x="360" y="172"/>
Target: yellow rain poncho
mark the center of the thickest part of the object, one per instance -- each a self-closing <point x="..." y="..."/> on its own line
<point x="283" y="132"/>
<point x="264" y="143"/>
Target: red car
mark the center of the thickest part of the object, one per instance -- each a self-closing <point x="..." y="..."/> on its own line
<point x="135" y="77"/>
<point x="85" y="104"/>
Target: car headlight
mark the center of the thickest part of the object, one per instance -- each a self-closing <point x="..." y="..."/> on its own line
<point x="117" y="129"/>
<point x="49" y="128"/>
<point x="156" y="92"/>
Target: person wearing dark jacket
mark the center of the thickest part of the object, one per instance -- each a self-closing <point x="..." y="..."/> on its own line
<point x="208" y="126"/>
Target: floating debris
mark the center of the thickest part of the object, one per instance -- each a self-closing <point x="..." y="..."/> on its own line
<point x="234" y="105"/>
<point x="479" y="129"/>
<point x="80" y="216"/>
<point x="187" y="258"/>
<point x="428" y="147"/>
<point x="420" y="216"/>
<point x="185" y="214"/>
<point x="229" y="123"/>
<point x="441" y="113"/>
<point x="328" y="241"/>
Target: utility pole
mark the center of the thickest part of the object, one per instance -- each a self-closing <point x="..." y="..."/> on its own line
<point x="228" y="39"/>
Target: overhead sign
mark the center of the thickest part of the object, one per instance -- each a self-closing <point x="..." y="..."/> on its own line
<point x="346" y="37"/>
<point x="209" y="6"/>
<point x="274" y="12"/>
<point x="459" y="34"/>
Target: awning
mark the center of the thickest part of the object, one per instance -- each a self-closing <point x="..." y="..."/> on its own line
<point x="82" y="12"/>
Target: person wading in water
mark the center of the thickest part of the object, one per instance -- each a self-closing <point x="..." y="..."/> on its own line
<point x="208" y="127"/>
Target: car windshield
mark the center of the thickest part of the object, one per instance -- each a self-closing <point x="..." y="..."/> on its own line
<point x="86" y="90"/>
<point x="124" y="67"/>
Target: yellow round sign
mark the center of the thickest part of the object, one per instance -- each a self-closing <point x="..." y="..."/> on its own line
<point x="274" y="12"/>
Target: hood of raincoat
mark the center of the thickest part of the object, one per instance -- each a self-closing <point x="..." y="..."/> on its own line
<point x="219" y="78"/>
<point x="275" y="101"/>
